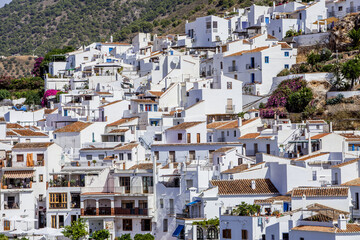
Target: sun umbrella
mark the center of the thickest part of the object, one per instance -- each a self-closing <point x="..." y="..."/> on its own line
<point x="18" y="232"/>
<point x="48" y="232"/>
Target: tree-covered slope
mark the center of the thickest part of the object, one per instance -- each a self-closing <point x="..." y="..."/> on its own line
<point x="36" y="26"/>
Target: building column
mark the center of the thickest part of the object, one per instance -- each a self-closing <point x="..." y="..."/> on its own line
<point x="97" y="207"/>
<point x="82" y="212"/>
<point x="112" y="207"/>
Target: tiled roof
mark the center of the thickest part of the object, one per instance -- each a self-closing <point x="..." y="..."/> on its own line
<point x="319" y="136"/>
<point x="250" y="136"/>
<point x="284" y="45"/>
<point x="307" y="157"/>
<point x="121" y="121"/>
<point x="229" y="124"/>
<point x="223" y="149"/>
<point x="195" y="144"/>
<point x="111" y="103"/>
<point x="28" y="132"/>
<point x="271" y="37"/>
<point x="256" y="36"/>
<point x="259" y="49"/>
<point x="236" y="169"/>
<point x="285" y="198"/>
<point x="19" y="174"/>
<point x="144" y="166"/>
<point x="243" y="187"/>
<point x="346" y="163"/>
<point x="33" y="145"/>
<point x="143" y="100"/>
<point x="103" y="93"/>
<point x="156" y="93"/>
<point x="73" y="127"/>
<point x="217" y="124"/>
<point x="320" y="192"/>
<point x="49" y="111"/>
<point x="316" y="121"/>
<point x="128" y="146"/>
<point x="119" y="130"/>
<point x="116" y="43"/>
<point x="13" y="125"/>
<point x="354" y="182"/>
<point x="184" y="125"/>
<point x="350" y="228"/>
<point x="10" y="133"/>
<point x="330" y="213"/>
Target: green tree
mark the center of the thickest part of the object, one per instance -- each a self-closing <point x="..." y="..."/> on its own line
<point x="298" y="100"/>
<point x="3" y="237"/>
<point x="4" y="94"/>
<point x="351" y="70"/>
<point x="354" y="35"/>
<point x="126" y="236"/>
<point x="101" y="234"/>
<point x="77" y="230"/>
<point x="245" y="209"/>
<point x="146" y="236"/>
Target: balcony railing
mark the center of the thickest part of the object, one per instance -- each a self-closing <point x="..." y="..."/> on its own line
<point x="14" y="205"/>
<point x="120" y="190"/>
<point x="58" y="205"/>
<point x="351" y="9"/>
<point x="131" y="211"/>
<point x="171" y="211"/>
<point x="106" y="211"/>
<point x="221" y="139"/>
<point x="250" y="66"/>
<point x="233" y="69"/>
<point x="67" y="184"/>
<point x="187" y="215"/>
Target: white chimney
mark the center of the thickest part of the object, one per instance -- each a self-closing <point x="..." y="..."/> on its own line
<point x="239" y="122"/>
<point x="342" y="221"/>
<point x="309" y="144"/>
<point x="111" y="39"/>
<point x="253" y="184"/>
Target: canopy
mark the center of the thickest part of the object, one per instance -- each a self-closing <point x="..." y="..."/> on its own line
<point x="193" y="202"/>
<point x="48" y="232"/>
<point x="178" y="230"/>
<point x="18" y="232"/>
<point x="19" y="174"/>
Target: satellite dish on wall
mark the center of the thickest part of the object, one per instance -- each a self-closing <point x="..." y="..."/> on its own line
<point x="246" y="116"/>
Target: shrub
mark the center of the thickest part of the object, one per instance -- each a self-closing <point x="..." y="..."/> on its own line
<point x="354" y="35"/>
<point x="146" y="236"/>
<point x="101" y="234"/>
<point x="313" y="58"/>
<point x="297" y="101"/>
<point x="327" y="68"/>
<point x="4" y="94"/>
<point x="283" y="73"/>
<point x="126" y="236"/>
<point x="336" y="100"/>
<point x="211" y="12"/>
<point x="245" y="209"/>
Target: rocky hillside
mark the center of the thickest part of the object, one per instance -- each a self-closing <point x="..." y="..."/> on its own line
<point x="16" y="66"/>
<point x="36" y="26"/>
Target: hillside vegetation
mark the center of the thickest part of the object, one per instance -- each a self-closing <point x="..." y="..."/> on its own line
<point x="16" y="66"/>
<point x="36" y="26"/>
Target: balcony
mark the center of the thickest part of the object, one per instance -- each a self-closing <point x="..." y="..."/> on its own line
<point x="118" y="211"/>
<point x="71" y="183"/>
<point x="12" y="205"/>
<point x="233" y="69"/>
<point x="331" y="14"/>
<point x="221" y="139"/>
<point x="190" y="216"/>
<point x="351" y="10"/>
<point x="252" y="66"/>
<point x="58" y="205"/>
<point x="119" y="190"/>
<point x="131" y="211"/>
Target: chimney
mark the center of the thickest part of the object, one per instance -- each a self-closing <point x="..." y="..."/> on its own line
<point x="239" y="122"/>
<point x="253" y="184"/>
<point x="309" y="144"/>
<point x="331" y="127"/>
<point x="111" y="39"/>
<point x="342" y="221"/>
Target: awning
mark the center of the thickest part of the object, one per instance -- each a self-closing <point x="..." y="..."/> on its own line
<point x="18" y="174"/>
<point x="193" y="202"/>
<point x="178" y="230"/>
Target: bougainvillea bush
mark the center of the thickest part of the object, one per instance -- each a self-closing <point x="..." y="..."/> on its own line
<point x="278" y="102"/>
<point x="37" y="67"/>
<point x="48" y="93"/>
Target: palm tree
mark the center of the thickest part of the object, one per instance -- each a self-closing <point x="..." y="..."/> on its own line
<point x="354" y="35"/>
<point x="351" y="70"/>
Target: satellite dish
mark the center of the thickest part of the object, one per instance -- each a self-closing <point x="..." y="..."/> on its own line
<point x="246" y="116"/>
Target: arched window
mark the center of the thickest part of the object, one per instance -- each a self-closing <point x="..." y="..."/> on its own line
<point x="199" y="233"/>
<point x="212" y="233"/>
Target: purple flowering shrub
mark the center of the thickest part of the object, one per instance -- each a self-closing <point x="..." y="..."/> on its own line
<point x="277" y="101"/>
<point x="48" y="93"/>
<point x="37" y="67"/>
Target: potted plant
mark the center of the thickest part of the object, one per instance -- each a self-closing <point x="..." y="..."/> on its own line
<point x="72" y="182"/>
<point x="94" y="162"/>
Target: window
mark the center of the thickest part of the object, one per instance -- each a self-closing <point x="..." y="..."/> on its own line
<point x="286" y="54"/>
<point x="179" y="136"/>
<point x="266" y="59"/>
<point x="141" y="107"/>
<point x="215" y="24"/>
<point x="226" y="233"/>
<point x="252" y="77"/>
<point x="188" y="137"/>
<point x="40" y="159"/>
<point x="272" y="237"/>
<point x="88" y="157"/>
<point x="198" y="137"/>
<point x="61" y="221"/>
<point x="212" y="233"/>
<point x="189" y="183"/>
<point x="156" y="155"/>
<point x="234" y="133"/>
<point x="58" y="200"/>
<point x="53" y="221"/>
<point x="340" y="8"/>
<point x="240" y="161"/>
<point x="302" y="238"/>
<point x="285" y="236"/>
<point x="121" y="156"/>
<point x="129" y="156"/>
<point x="41" y="197"/>
<point x="192" y="155"/>
<point x="165" y="225"/>
<point x="125" y="182"/>
<point x="73" y="218"/>
<point x="20" y="158"/>
<point x="221" y="65"/>
<point x="127" y="224"/>
<point x="41" y="178"/>
<point x="286" y="66"/>
<point x="6" y="225"/>
<point x="199" y="233"/>
<point x="229" y="85"/>
<point x="147" y="184"/>
<point x="244" y="234"/>
<point x="314" y="177"/>
<point x="208" y="25"/>
<point x="356" y="205"/>
<point x="161" y="203"/>
<point x="148" y="107"/>
<point x="155" y="108"/>
<point x="235" y="76"/>
<point x="145" y="225"/>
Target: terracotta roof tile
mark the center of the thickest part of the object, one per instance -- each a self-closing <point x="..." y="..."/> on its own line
<point x="143" y="100"/>
<point x="250" y="136"/>
<point x="143" y="166"/>
<point x="350" y="228"/>
<point x="319" y="136"/>
<point x="243" y="187"/>
<point x="184" y="125"/>
<point x="19" y="174"/>
<point x="223" y="149"/>
<point x="128" y="146"/>
<point x="50" y="111"/>
<point x="10" y="133"/>
<point x="28" y="132"/>
<point x="316" y="122"/>
<point x="121" y="121"/>
<point x="320" y="192"/>
<point x="111" y="103"/>
<point x="284" y="45"/>
<point x="156" y="93"/>
<point x="354" y="182"/>
<point x="259" y="49"/>
<point x="346" y="163"/>
<point x="271" y="37"/>
<point x="217" y="124"/>
<point x="73" y="127"/>
<point x="119" y="130"/>
<point x="236" y="169"/>
<point x="229" y="125"/>
<point x="285" y="198"/>
<point x="304" y="158"/>
<point x="13" y="125"/>
<point x="33" y="145"/>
